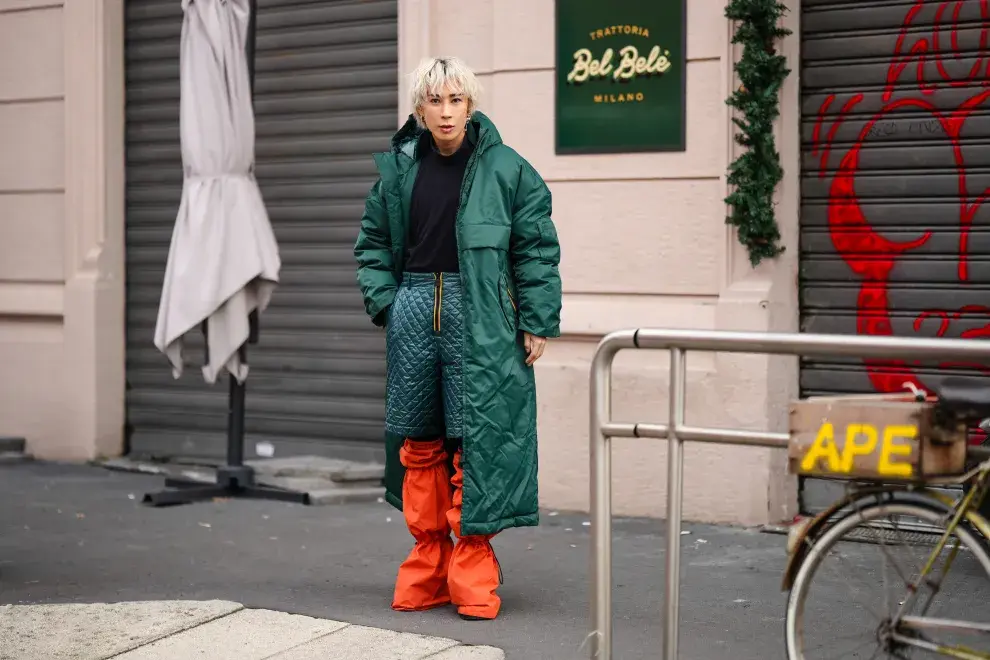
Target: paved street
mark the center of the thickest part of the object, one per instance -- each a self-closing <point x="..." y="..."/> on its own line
<point x="72" y="534"/>
<point x="79" y="534"/>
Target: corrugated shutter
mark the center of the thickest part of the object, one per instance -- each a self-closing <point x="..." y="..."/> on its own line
<point x="885" y="87"/>
<point x="325" y="99"/>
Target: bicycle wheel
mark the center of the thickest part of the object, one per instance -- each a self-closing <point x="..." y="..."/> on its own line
<point x="898" y="534"/>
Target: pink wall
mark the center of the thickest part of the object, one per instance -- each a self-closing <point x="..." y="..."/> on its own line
<point x="61" y="226"/>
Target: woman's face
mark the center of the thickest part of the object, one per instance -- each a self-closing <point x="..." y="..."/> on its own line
<point x="445" y="115"/>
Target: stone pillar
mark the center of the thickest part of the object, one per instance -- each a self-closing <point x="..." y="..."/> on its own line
<point x="94" y="226"/>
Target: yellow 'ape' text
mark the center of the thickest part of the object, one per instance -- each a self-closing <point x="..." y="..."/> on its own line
<point x="863" y="440"/>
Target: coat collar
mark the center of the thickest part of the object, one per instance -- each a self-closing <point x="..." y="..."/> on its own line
<point x="481" y="132"/>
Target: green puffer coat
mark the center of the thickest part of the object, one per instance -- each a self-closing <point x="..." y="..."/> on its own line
<point x="509" y="257"/>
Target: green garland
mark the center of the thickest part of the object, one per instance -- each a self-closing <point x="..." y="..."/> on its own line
<point x="756" y="173"/>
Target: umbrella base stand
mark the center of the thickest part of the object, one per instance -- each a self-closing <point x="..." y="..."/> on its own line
<point x="233" y="479"/>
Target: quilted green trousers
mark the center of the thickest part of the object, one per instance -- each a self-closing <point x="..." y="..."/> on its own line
<point x="424" y="329"/>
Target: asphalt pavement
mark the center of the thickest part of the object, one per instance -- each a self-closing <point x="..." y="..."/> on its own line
<point x="79" y="534"/>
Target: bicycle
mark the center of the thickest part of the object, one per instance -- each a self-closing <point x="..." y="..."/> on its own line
<point x="891" y="506"/>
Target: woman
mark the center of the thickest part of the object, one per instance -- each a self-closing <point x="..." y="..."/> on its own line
<point x="457" y="259"/>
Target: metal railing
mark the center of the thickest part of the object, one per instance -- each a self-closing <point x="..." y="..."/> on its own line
<point x="678" y="342"/>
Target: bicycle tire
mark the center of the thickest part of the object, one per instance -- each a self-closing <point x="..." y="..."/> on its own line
<point x="931" y="513"/>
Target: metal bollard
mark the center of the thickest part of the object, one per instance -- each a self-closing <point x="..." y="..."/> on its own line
<point x="675" y="496"/>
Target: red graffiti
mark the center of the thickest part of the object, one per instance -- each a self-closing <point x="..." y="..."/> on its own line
<point x="870" y="255"/>
<point x="923" y="45"/>
<point x="836" y="125"/>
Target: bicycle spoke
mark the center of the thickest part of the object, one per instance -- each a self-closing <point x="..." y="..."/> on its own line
<point x="936" y="585"/>
<point x="900" y="573"/>
<point x="832" y="639"/>
<point x="883" y="573"/>
<point x="829" y="646"/>
<point x="845" y="654"/>
<point x="842" y="580"/>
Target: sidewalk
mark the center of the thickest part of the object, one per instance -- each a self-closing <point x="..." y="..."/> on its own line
<point x="213" y="630"/>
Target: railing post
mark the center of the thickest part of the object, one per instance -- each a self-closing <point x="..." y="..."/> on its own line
<point x="678" y="342"/>
<point x="601" y="507"/>
<point x="675" y="493"/>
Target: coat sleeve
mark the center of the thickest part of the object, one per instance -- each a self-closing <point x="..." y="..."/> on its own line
<point x="373" y="250"/>
<point x="535" y="256"/>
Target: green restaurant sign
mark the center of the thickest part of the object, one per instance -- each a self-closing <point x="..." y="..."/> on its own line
<point x="620" y="76"/>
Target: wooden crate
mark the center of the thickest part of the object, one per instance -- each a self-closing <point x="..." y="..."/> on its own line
<point x="883" y="437"/>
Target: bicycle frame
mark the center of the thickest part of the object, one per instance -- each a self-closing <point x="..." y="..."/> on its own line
<point x="965" y="508"/>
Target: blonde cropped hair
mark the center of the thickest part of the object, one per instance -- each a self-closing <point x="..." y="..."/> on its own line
<point x="435" y="73"/>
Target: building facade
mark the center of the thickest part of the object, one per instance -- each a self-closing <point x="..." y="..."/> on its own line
<point x="879" y="212"/>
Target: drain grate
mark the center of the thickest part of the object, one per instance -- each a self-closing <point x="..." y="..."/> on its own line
<point x="882" y="535"/>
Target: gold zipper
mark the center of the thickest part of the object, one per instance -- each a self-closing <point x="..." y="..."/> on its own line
<point x="437" y="299"/>
<point x="512" y="300"/>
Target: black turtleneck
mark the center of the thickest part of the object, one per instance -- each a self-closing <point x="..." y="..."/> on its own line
<point x="431" y="246"/>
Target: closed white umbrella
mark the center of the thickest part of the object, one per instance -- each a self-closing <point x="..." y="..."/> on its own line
<point x="223" y="262"/>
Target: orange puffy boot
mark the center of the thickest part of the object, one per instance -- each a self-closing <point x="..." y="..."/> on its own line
<point x="474" y="571"/>
<point x="426" y="498"/>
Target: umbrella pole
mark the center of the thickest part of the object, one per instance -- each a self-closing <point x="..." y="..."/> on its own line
<point x="233" y="479"/>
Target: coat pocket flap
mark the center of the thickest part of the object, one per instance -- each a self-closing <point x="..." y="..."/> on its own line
<point x="485" y="236"/>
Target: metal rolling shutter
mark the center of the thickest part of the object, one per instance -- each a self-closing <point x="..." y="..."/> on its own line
<point x="907" y="181"/>
<point x="325" y="99"/>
